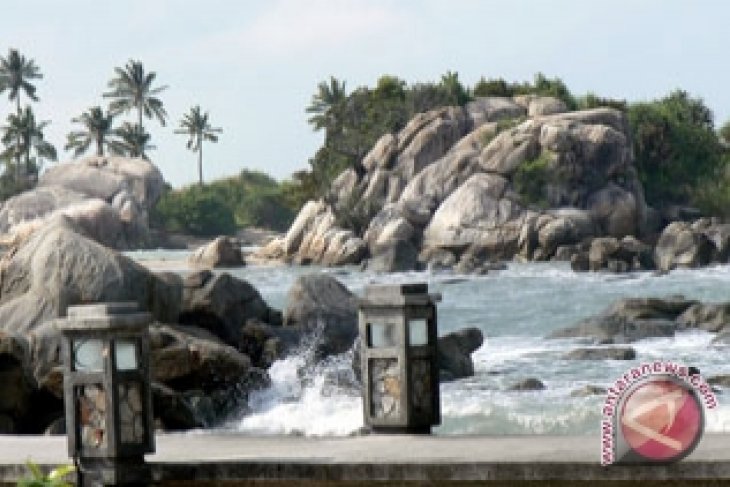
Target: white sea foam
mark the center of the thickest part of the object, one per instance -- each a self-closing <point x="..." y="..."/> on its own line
<point x="314" y="406"/>
<point x="515" y="309"/>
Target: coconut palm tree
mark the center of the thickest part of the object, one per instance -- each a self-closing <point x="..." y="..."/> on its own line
<point x="132" y="89"/>
<point x="23" y="135"/>
<point x="97" y="130"/>
<point x="325" y="103"/>
<point x="196" y="126"/>
<point x="16" y="73"/>
<point x="133" y="141"/>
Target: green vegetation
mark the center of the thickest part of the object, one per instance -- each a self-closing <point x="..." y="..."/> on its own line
<point x="197" y="127"/>
<point x="678" y="153"/>
<point x="250" y="199"/>
<point x="56" y="478"/>
<point x="541" y="85"/>
<point x="131" y="89"/>
<point x="353" y="122"/>
<point x="97" y="131"/>
<point x="21" y="134"/>
<point x="531" y="180"/>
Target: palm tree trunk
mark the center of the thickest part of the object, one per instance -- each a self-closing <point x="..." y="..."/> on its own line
<point x="200" y="164"/>
<point x="99" y="147"/>
<point x="17" y="141"/>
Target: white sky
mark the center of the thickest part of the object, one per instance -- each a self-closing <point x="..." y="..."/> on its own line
<point x="255" y="64"/>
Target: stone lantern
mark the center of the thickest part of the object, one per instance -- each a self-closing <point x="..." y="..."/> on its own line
<point x="107" y="392"/>
<point x="398" y="336"/>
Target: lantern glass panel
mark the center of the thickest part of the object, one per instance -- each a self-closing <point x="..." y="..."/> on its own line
<point x="131" y="413"/>
<point x="126" y="354"/>
<point x="89" y="355"/>
<point x="92" y="410"/>
<point x="418" y="332"/>
<point x="381" y="335"/>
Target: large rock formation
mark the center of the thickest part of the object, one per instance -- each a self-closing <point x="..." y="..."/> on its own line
<point x="109" y="196"/>
<point x="320" y="306"/>
<point x="200" y="374"/>
<point x="497" y="178"/>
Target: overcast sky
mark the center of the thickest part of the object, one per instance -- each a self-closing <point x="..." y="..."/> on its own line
<point x="255" y="64"/>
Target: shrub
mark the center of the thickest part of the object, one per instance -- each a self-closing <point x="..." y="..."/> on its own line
<point x="196" y="211"/>
<point x="530" y="180"/>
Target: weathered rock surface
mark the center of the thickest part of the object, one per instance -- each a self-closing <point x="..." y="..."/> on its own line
<point x="319" y="305"/>
<point x="446" y="183"/>
<point x="614" y="255"/>
<point x="629" y="320"/>
<point x="58" y="267"/>
<point x="588" y="390"/>
<point x="221" y="252"/>
<point x="711" y="317"/>
<point x="454" y="353"/>
<point x="605" y="353"/>
<point x="689" y="245"/>
<point x="109" y="196"/>
<point x="529" y="384"/>
<point x="680" y="245"/>
<point x="222" y="304"/>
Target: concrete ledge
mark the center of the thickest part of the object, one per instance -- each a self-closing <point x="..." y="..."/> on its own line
<point x="231" y="459"/>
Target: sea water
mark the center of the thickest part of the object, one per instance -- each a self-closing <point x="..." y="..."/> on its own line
<point x="515" y="309"/>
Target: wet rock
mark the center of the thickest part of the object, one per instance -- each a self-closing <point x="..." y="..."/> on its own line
<point x="15" y="381"/>
<point x="223" y="304"/>
<point x="57" y="427"/>
<point x="607" y="353"/>
<point x="186" y="358"/>
<point x="530" y="384"/>
<point x="720" y="380"/>
<point x="319" y="305"/>
<point x="705" y="316"/>
<point x="264" y="343"/>
<point x="454" y="353"/>
<point x="680" y="245"/>
<point x="172" y="409"/>
<point x="394" y="256"/>
<point x="588" y="390"/>
<point x="221" y="252"/>
<point x="629" y="320"/>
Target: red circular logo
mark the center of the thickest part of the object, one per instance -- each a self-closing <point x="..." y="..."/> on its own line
<point x="662" y="420"/>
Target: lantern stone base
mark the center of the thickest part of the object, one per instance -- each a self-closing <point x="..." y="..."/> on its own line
<point x="118" y="471"/>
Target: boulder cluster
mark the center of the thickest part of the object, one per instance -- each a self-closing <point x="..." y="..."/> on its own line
<point x="501" y="178"/>
<point x="108" y="197"/>
<point x="497" y="179"/>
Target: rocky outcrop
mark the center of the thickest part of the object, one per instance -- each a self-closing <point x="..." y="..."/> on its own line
<point x="221" y="252"/>
<point x="320" y="306"/>
<point x="613" y="255"/>
<point x="59" y="267"/>
<point x="109" y="196"/>
<point x="222" y="304"/>
<point x="604" y="353"/>
<point x="529" y="384"/>
<point x="631" y="319"/>
<point x="505" y="176"/>
<point x="454" y="353"/>
<point x="689" y="245"/>
<point x="200" y="372"/>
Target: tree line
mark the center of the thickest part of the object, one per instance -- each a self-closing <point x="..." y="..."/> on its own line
<point x="132" y="89"/>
